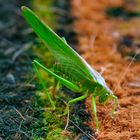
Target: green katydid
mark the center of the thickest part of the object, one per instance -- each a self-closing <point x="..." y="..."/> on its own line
<point x="71" y="69"/>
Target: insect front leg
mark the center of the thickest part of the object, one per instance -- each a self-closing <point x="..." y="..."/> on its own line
<point x="43" y="84"/>
<point x="95" y="113"/>
<point x="115" y="104"/>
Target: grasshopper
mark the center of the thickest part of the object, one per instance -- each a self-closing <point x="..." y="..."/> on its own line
<point x="71" y="69"/>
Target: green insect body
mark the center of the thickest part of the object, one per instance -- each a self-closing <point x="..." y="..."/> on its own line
<point x="71" y="70"/>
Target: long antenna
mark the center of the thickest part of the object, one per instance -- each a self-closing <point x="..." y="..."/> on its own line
<point x="88" y="135"/>
<point x="127" y="69"/>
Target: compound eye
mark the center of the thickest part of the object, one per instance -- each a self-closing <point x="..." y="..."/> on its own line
<point x="103" y="97"/>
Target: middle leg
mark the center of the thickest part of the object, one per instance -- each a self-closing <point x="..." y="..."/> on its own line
<point x="73" y="101"/>
<point x="95" y="113"/>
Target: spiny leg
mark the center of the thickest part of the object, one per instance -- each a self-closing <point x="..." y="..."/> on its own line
<point x="73" y="101"/>
<point x="43" y="85"/>
<point x="63" y="81"/>
<point x="95" y="113"/>
<point x="115" y="104"/>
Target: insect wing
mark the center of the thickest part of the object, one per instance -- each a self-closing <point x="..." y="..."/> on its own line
<point x="70" y="62"/>
<point x="96" y="76"/>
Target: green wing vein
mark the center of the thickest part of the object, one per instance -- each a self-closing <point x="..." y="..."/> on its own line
<point x="69" y="60"/>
